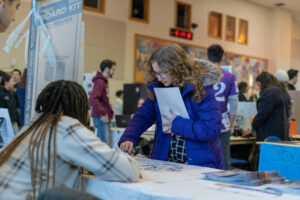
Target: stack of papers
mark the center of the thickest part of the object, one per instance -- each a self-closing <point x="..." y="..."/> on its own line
<point x="245" y="178"/>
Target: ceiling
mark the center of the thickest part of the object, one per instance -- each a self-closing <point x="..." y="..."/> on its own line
<point x="292" y="5"/>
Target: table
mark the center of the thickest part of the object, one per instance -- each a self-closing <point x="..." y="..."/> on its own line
<point x="296" y="137"/>
<point x="117" y="133"/>
<point x="237" y="140"/>
<point x="163" y="180"/>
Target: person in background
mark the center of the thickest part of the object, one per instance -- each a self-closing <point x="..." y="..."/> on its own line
<point x="293" y="78"/>
<point x="118" y="108"/>
<point x="272" y="118"/>
<point x="8" y="9"/>
<point x="16" y="76"/>
<point x="282" y="76"/>
<point x="20" y="93"/>
<point x="8" y="99"/>
<point x="243" y="89"/>
<point x="50" y="152"/>
<point x="192" y="141"/>
<point x="102" y="112"/>
<point x="226" y="91"/>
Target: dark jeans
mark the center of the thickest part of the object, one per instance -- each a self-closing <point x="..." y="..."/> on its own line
<point x="225" y="142"/>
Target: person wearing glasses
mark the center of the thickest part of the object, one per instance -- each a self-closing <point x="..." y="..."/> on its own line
<point x="191" y="141"/>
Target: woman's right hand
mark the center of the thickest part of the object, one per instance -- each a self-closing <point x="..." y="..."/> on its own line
<point x="126" y="146"/>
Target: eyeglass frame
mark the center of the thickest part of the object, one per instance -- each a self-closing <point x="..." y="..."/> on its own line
<point x="161" y="75"/>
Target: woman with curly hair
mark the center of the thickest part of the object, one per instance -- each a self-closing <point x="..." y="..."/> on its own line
<point x="50" y="152"/>
<point x="192" y="141"/>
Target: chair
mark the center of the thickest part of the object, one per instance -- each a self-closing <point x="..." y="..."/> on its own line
<point x="272" y="139"/>
<point x="65" y="194"/>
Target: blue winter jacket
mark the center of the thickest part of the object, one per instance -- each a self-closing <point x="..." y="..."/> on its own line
<point x="200" y="132"/>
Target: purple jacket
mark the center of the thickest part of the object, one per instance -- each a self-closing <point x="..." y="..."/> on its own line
<point x="200" y="132"/>
<point x="99" y="97"/>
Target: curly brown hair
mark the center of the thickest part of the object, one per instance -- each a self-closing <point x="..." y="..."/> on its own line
<point x="181" y="67"/>
<point x="266" y="80"/>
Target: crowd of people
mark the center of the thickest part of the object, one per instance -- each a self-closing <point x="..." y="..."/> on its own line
<point x="60" y="122"/>
<point x="50" y="150"/>
<point x="12" y="96"/>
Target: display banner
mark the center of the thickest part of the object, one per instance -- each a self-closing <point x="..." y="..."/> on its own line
<point x="53" y="51"/>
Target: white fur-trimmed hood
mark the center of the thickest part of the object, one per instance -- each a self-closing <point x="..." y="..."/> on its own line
<point x="213" y="74"/>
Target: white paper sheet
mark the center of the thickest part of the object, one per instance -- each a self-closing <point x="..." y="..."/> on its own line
<point x="170" y="98"/>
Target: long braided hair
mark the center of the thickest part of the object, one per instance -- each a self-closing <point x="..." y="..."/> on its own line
<point x="56" y="99"/>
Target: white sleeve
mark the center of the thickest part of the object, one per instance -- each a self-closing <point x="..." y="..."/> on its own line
<point x="233" y="102"/>
<point x="78" y="145"/>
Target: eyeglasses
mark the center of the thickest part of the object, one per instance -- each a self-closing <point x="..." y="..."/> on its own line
<point x="161" y="75"/>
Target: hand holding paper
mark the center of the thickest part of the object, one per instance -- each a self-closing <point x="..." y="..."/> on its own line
<point x="168" y="125"/>
<point x="170" y="105"/>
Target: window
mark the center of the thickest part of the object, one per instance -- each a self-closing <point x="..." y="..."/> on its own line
<point x="139" y="10"/>
<point x="230" y="29"/>
<point x="215" y="25"/>
<point x="94" y="5"/>
<point x="183" y="16"/>
<point x="243" y="32"/>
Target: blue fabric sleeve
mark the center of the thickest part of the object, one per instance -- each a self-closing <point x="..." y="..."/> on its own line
<point x="141" y="121"/>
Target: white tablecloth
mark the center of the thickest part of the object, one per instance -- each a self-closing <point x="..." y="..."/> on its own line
<point x="171" y="181"/>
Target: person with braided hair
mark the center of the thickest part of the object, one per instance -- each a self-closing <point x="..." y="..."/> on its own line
<point x="50" y="152"/>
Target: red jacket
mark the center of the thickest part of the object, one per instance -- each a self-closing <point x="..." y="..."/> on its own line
<point x="99" y="99"/>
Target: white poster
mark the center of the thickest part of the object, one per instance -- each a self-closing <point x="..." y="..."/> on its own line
<point x="53" y="52"/>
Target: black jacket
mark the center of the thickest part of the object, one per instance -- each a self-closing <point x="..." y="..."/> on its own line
<point x="8" y="100"/>
<point x="242" y="98"/>
<point x="272" y="117"/>
<point x="291" y="86"/>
